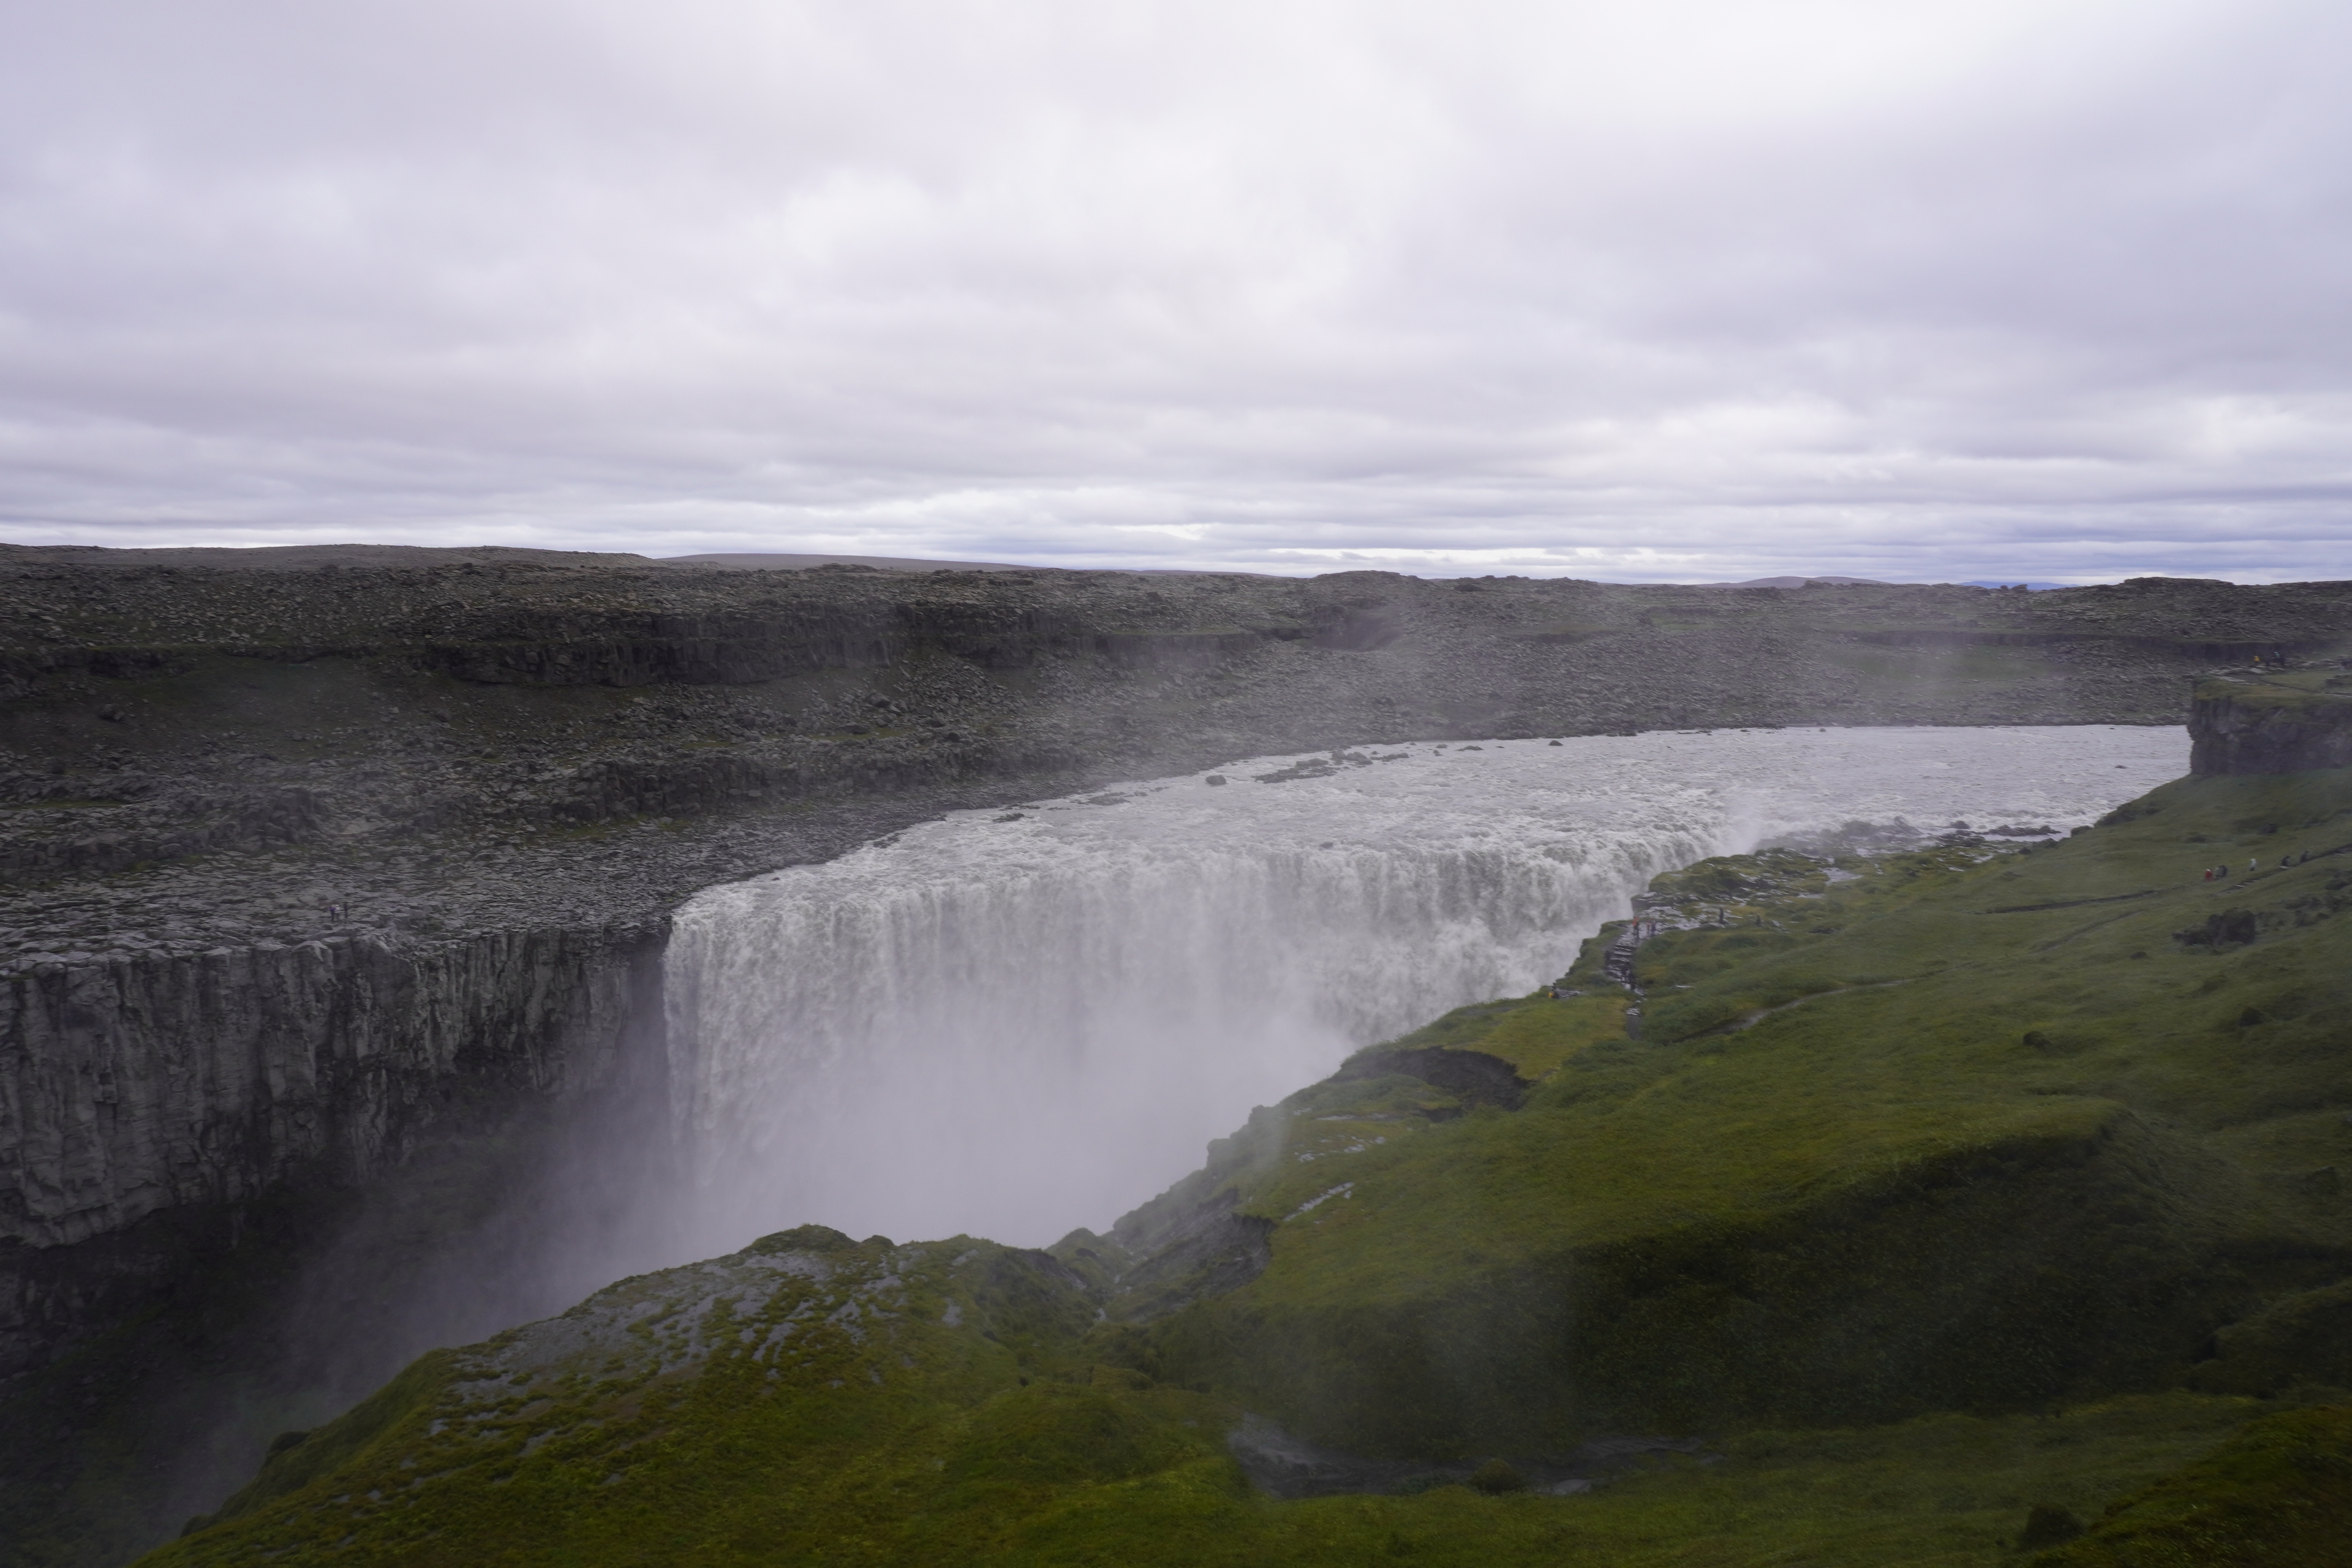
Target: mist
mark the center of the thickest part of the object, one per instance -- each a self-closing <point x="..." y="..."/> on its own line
<point x="1016" y="1023"/>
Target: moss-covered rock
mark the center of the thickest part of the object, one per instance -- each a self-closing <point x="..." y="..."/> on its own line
<point x="1961" y="1129"/>
<point x="1920" y="1185"/>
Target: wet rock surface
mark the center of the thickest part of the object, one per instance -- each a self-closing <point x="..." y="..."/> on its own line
<point x="318" y="767"/>
<point x="311" y="857"/>
<point x="275" y="826"/>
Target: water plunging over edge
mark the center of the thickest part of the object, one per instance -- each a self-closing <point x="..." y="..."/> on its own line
<point x="1012" y="1024"/>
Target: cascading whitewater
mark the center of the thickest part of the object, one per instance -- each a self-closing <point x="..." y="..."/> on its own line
<point x="1013" y="1024"/>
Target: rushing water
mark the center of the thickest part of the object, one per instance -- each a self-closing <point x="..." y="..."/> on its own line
<point x="1015" y="1025"/>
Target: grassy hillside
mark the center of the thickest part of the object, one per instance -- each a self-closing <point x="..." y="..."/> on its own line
<point x="1950" y="1134"/>
<point x="1954" y="1201"/>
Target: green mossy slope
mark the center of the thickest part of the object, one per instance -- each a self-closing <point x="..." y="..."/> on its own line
<point x="783" y="1401"/>
<point x="1964" y="1131"/>
<point x="1924" y="1179"/>
<point x="2278" y="1495"/>
<point x="1114" y="1468"/>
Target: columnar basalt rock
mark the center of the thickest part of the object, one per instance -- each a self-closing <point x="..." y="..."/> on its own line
<point x="309" y="855"/>
<point x="135" y="1085"/>
<point x="256" y="802"/>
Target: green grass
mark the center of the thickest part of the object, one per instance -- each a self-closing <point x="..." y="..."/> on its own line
<point x="1108" y="1468"/>
<point x="2302" y="692"/>
<point x="1996" y="1158"/>
<point x="1926" y="1197"/>
<point x="2280" y="1492"/>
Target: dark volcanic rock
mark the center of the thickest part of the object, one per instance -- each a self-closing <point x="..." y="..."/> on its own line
<point x="313" y="856"/>
<point x="394" y="761"/>
<point x="2272" y="720"/>
<point x="139" y="1084"/>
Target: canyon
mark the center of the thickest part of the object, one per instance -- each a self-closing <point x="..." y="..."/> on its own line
<point x="339" y="880"/>
<point x="1972" y="1202"/>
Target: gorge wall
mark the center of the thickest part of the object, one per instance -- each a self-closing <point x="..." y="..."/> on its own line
<point x="1016" y="1023"/>
<point x="302" y="847"/>
<point x="313" y="858"/>
<point x="2271" y="720"/>
<point x="144" y="1084"/>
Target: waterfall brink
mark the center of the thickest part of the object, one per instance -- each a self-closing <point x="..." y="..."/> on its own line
<point x="1013" y="1024"/>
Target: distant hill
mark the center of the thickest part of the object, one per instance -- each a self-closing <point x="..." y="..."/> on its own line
<point x="1872" y="582"/>
<point x="787" y="563"/>
<point x="1800" y="582"/>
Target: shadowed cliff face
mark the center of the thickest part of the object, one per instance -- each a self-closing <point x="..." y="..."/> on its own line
<point x="317" y="860"/>
<point x="392" y="764"/>
<point x="155" y="711"/>
<point x="294" y="848"/>
<point x="1944" y="1189"/>
<point x="2274" y="720"/>
<point x="138" y="1086"/>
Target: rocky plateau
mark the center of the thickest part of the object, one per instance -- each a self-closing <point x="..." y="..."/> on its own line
<point x="318" y="862"/>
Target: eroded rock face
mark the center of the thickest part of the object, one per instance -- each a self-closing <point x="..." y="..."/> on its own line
<point x="309" y="853"/>
<point x="136" y="1083"/>
<point x="434" y="741"/>
<point x="2271" y="721"/>
<point x="151" y="709"/>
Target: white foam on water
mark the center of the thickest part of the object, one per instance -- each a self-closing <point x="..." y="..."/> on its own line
<point x="1012" y="1029"/>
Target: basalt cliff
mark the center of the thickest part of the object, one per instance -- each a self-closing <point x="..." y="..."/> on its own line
<point x="336" y="877"/>
<point x="1971" y="1203"/>
<point x="2271" y="720"/>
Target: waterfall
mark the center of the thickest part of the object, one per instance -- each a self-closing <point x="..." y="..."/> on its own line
<point x="1014" y="1022"/>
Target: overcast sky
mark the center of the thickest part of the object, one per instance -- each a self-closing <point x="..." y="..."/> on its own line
<point x="1919" y="289"/>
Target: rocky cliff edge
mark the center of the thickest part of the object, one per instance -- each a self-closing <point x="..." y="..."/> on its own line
<point x="2271" y="720"/>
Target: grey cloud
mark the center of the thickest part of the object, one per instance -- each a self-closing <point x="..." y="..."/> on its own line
<point x="1675" y="291"/>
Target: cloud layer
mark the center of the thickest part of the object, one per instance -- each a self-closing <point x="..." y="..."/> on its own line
<point x="1689" y="288"/>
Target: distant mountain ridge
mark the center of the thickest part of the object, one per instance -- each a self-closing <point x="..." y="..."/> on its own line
<point x="1801" y="582"/>
<point x="1874" y="583"/>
